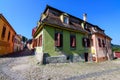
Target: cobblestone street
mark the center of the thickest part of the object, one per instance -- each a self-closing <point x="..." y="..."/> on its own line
<point x="23" y="66"/>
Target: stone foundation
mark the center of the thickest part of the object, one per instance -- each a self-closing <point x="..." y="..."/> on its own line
<point x="62" y="59"/>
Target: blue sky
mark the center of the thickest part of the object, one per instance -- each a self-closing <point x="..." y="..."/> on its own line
<point x="23" y="15"/>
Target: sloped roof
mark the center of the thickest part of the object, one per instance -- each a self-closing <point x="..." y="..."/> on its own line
<point x="55" y="20"/>
<point x="74" y="22"/>
<point x="2" y="17"/>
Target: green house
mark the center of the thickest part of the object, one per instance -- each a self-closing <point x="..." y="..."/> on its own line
<point x="60" y="37"/>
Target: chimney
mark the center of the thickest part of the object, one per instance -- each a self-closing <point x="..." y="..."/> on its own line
<point x="85" y="17"/>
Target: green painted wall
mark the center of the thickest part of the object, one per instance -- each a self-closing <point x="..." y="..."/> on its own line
<point x="48" y="41"/>
<point x="66" y="43"/>
<point x="49" y="46"/>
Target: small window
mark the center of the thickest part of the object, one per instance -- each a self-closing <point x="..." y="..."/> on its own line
<point x="3" y="32"/>
<point x="72" y="41"/>
<point x="86" y="42"/>
<point x="103" y="43"/>
<point x="58" y="39"/>
<point x="8" y="35"/>
<point x="99" y="42"/>
<point x="65" y="19"/>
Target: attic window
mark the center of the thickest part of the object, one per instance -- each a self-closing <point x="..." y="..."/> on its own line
<point x="65" y="20"/>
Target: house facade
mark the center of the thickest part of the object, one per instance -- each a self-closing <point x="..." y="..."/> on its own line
<point x="7" y="34"/>
<point x="61" y="37"/>
<point x="100" y="43"/>
<point x="18" y="43"/>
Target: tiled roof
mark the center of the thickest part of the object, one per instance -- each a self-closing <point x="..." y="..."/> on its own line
<point x="53" y="17"/>
<point x="2" y="17"/>
<point x="55" y="20"/>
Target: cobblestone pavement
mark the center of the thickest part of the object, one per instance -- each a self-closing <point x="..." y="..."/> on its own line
<point x="23" y="66"/>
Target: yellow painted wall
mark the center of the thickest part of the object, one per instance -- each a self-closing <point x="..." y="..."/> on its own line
<point x="6" y="46"/>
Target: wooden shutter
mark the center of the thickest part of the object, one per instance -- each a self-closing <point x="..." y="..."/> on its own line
<point x="40" y="40"/>
<point x="73" y="41"/>
<point x="33" y="43"/>
<point x="58" y="39"/>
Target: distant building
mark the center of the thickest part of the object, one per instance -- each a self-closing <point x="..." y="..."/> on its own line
<point x="100" y="43"/>
<point x="30" y="44"/>
<point x="7" y="34"/>
<point x="22" y="44"/>
<point x="18" y="43"/>
<point x="61" y="37"/>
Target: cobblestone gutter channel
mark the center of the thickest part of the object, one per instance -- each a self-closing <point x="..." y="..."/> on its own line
<point x="90" y="75"/>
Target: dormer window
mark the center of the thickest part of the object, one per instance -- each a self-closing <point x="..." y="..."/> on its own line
<point x="65" y="19"/>
<point x="94" y="29"/>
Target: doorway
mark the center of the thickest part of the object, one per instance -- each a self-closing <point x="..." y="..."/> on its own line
<point x="86" y="57"/>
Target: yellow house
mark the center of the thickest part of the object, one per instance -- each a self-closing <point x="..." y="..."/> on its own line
<point x="7" y="34"/>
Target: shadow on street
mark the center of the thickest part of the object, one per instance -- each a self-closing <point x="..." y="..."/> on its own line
<point x="25" y="52"/>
